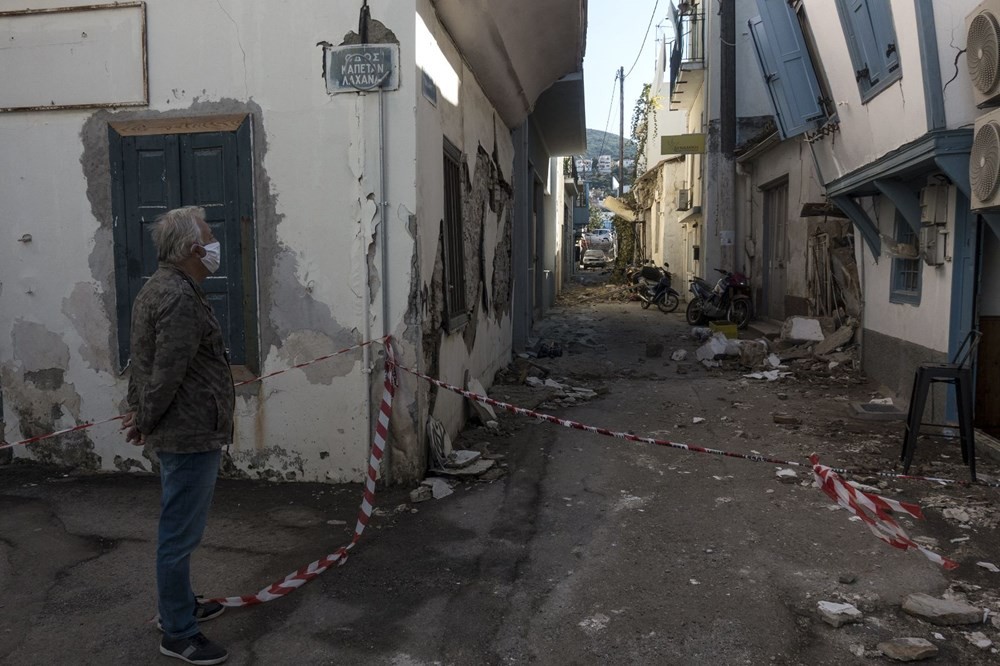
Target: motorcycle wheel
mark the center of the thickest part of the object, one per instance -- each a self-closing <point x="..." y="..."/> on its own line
<point x="695" y="314"/>
<point x="740" y="313"/>
<point x="668" y="303"/>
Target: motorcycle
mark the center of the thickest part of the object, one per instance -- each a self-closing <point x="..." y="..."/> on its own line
<point x="729" y="299"/>
<point x="653" y="287"/>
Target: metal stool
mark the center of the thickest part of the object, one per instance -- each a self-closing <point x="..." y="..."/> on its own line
<point x="958" y="373"/>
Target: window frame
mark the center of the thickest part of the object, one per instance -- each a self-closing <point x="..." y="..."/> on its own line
<point x="452" y="234"/>
<point x="889" y="68"/>
<point x="905" y="234"/>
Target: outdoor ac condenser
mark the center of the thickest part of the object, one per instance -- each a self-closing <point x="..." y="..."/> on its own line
<point x="684" y="199"/>
<point x="983" y="52"/>
<point x="984" y="162"/>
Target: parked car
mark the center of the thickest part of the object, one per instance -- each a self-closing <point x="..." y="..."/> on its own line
<point x="595" y="259"/>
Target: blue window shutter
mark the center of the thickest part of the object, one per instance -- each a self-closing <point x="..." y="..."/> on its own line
<point x="885" y="33"/>
<point x="871" y="38"/>
<point x="786" y="66"/>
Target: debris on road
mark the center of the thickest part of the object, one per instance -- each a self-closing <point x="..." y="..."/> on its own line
<point x="802" y="329"/>
<point x="989" y="566"/>
<point x="484" y="412"/>
<point x="785" y="419"/>
<point x="679" y="355"/>
<point x="942" y="612"/>
<point x="787" y="475"/>
<point x="980" y="640"/>
<point x="838" y="614"/>
<point x="908" y="649"/>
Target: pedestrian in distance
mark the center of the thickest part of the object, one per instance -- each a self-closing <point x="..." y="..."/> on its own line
<point x="181" y="400"/>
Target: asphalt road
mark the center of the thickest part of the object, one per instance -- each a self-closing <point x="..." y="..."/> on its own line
<point x="591" y="550"/>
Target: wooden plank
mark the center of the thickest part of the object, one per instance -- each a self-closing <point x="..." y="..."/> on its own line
<point x="184" y="125"/>
<point x="988" y="376"/>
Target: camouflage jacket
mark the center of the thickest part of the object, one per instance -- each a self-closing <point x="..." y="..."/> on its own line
<point x="180" y="385"/>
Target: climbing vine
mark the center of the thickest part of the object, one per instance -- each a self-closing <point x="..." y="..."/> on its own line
<point x="643" y="115"/>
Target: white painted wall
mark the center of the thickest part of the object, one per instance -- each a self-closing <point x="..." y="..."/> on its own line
<point x="925" y="324"/>
<point x="949" y="20"/>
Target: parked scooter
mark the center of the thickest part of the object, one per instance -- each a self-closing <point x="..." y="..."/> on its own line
<point x="653" y="287"/>
<point x="729" y="299"/>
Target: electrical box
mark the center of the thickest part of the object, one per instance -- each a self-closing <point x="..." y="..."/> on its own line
<point x="934" y="204"/>
<point x="933" y="243"/>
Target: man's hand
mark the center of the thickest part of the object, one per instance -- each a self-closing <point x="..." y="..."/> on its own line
<point x="132" y="434"/>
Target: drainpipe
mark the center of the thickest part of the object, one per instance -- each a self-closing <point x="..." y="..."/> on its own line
<point x="384" y="251"/>
<point x="366" y="354"/>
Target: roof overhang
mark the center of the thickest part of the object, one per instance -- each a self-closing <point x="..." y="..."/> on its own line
<point x="559" y="116"/>
<point x="899" y="175"/>
<point x="517" y="49"/>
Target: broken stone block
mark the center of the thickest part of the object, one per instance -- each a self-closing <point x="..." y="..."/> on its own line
<point x="484" y="412"/>
<point x="752" y="353"/>
<point x="551" y="383"/>
<point x="787" y="475"/>
<point x="960" y="515"/>
<point x="679" y="355"/>
<point x="838" y="338"/>
<point x="439" y="487"/>
<point x="421" y="493"/>
<point x="715" y="346"/>
<point x="908" y="649"/>
<point x="802" y="329"/>
<point x="786" y="419"/>
<point x="534" y="382"/>
<point x="979" y="639"/>
<point x="462" y="458"/>
<point x="837" y="614"/>
<point x="941" y="612"/>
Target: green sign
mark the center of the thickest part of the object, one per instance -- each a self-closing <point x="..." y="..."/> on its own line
<point x="682" y="144"/>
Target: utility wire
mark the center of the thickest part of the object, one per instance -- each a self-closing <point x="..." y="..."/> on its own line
<point x="644" y="38"/>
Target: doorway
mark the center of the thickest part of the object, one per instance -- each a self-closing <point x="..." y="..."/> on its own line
<point x="776" y="248"/>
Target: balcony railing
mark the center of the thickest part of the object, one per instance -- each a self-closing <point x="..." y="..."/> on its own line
<point x="689" y="47"/>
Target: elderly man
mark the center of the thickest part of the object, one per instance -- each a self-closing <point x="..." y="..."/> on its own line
<point x="181" y="402"/>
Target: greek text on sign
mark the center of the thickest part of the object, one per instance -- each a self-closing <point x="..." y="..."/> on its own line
<point x="682" y="144"/>
<point x="362" y="67"/>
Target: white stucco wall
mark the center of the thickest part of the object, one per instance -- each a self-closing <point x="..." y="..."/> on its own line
<point x="320" y="161"/>
<point x="949" y="20"/>
<point x="468" y="120"/>
<point x="913" y="323"/>
<point x="896" y="115"/>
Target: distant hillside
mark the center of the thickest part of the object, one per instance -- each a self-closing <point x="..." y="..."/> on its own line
<point x="595" y="138"/>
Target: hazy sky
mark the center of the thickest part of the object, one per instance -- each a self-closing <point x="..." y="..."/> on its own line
<point x="615" y="30"/>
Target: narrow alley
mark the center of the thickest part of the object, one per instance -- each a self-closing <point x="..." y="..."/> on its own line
<point x="590" y="550"/>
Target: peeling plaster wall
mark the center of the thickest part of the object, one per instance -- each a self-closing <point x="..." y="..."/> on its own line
<point x="893" y="117"/>
<point x="464" y="116"/>
<point x="316" y="184"/>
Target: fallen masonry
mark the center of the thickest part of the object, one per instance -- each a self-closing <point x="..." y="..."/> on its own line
<point x="908" y="649"/>
<point x="942" y="612"/>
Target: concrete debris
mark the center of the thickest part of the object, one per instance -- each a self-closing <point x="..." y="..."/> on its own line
<point x="960" y="515"/>
<point x="421" y="493"/>
<point x="880" y="401"/>
<point x="802" y="329"/>
<point x="838" y="614"/>
<point x="701" y="333"/>
<point x="715" y="347"/>
<point x="787" y="475"/>
<point x="980" y="640"/>
<point x="773" y="360"/>
<point x="459" y="459"/>
<point x="846" y="578"/>
<point x="439" y="487"/>
<point x="769" y="375"/>
<point x="484" y="412"/>
<point x="752" y="353"/>
<point x="534" y="381"/>
<point x="942" y="612"/>
<point x="696" y="420"/>
<point x="679" y="355"/>
<point x="989" y="566"/>
<point x="842" y="336"/>
<point x="711" y="364"/>
<point x="473" y="469"/>
<point x="785" y="419"/>
<point x="551" y="383"/>
<point x="908" y="649"/>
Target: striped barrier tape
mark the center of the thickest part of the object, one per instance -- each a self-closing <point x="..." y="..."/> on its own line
<point x="875" y="511"/>
<point x="91" y="424"/>
<point x="881" y="524"/>
<point x="300" y="577"/>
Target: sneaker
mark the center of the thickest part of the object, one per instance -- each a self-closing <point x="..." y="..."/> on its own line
<point x="203" y="611"/>
<point x="194" y="650"/>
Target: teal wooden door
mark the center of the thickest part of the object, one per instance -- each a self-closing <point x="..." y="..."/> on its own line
<point x="153" y="174"/>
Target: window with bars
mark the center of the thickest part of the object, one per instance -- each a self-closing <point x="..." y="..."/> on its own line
<point x="905" y="272"/>
<point x="456" y="314"/>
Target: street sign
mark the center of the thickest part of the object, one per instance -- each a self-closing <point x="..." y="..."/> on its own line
<point x="682" y="144"/>
<point x="362" y="67"/>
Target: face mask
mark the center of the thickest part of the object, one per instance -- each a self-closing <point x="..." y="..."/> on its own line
<point x="213" y="256"/>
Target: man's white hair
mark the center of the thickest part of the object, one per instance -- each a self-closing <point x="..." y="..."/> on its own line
<point x="175" y="231"/>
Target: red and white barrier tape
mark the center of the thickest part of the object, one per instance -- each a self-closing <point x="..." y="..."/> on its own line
<point x="298" y="578"/>
<point x="875" y="511"/>
<point x="881" y="524"/>
<point x="91" y="424"/>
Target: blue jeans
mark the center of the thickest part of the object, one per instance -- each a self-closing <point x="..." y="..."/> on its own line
<point x="187" y="481"/>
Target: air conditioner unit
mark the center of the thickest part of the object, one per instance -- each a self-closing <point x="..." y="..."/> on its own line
<point x="982" y="53"/>
<point x="684" y="199"/>
<point x="934" y="204"/>
<point x="984" y="162"/>
<point x="933" y="241"/>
